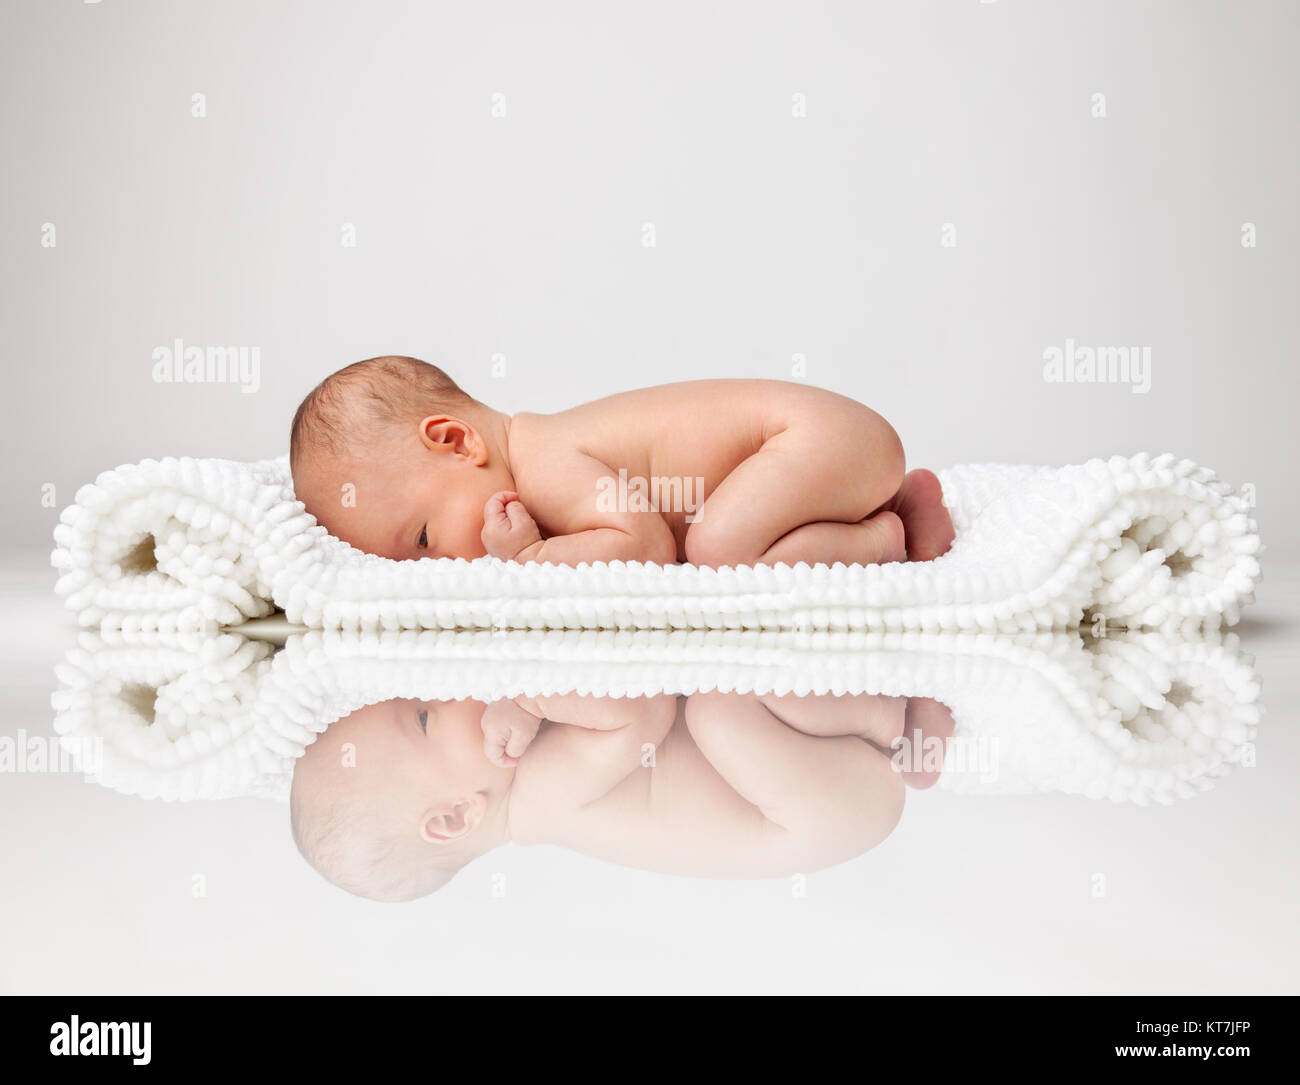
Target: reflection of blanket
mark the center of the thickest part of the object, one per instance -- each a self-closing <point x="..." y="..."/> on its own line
<point x="183" y="544"/>
<point x="1137" y="716"/>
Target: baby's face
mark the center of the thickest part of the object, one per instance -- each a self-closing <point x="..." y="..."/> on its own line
<point x="415" y="761"/>
<point x="405" y="505"/>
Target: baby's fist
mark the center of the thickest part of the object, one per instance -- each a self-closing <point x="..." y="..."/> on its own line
<point x="508" y="731"/>
<point x="508" y="529"/>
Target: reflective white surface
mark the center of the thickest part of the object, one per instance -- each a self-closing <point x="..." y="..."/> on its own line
<point x="967" y="894"/>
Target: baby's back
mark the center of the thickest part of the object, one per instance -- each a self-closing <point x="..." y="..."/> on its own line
<point x="682" y="812"/>
<point x="674" y="438"/>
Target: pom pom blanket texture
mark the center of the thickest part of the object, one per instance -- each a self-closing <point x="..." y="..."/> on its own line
<point x="195" y="545"/>
<point x="1136" y="716"/>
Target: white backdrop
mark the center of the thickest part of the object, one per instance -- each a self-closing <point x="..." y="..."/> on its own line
<point x="803" y="172"/>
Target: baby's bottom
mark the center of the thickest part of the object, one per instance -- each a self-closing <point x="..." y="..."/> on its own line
<point x="833" y="493"/>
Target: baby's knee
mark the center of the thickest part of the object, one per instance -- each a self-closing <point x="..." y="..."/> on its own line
<point x="713" y="544"/>
<point x="704" y="713"/>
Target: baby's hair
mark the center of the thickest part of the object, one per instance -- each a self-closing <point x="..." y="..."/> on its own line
<point x="368" y="397"/>
<point x="356" y="850"/>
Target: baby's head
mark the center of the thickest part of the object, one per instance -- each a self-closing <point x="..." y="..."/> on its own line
<point x="392" y="457"/>
<point x="393" y="799"/>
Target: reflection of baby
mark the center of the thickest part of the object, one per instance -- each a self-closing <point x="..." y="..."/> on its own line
<point x="392" y="800"/>
<point x="393" y="458"/>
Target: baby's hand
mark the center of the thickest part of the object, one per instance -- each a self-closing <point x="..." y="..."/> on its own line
<point x="508" y="731"/>
<point x="508" y="529"/>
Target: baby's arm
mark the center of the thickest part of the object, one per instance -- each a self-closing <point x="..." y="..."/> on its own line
<point x="565" y="497"/>
<point x="509" y="727"/>
<point x="590" y="712"/>
<point x="594" y="744"/>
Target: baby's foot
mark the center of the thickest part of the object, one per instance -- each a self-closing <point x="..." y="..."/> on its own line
<point x="926" y="523"/>
<point x="927" y="732"/>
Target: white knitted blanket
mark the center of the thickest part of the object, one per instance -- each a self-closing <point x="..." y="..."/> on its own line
<point x="189" y="545"/>
<point x="1137" y="716"/>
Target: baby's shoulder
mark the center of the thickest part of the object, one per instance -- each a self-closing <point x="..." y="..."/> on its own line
<point x="532" y="435"/>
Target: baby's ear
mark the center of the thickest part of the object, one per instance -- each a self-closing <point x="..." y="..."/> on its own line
<point x="449" y="822"/>
<point x="442" y="433"/>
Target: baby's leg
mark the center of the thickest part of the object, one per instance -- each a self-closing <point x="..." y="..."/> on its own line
<point x="832" y="796"/>
<point x="925" y="723"/>
<point x="874" y="717"/>
<point x="809" y="494"/>
<point x="877" y="540"/>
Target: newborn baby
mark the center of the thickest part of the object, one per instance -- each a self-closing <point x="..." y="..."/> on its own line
<point x="393" y="799"/>
<point x="392" y="457"/>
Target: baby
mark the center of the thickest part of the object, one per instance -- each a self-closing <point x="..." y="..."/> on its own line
<point x="392" y="457"/>
<point x="392" y="800"/>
